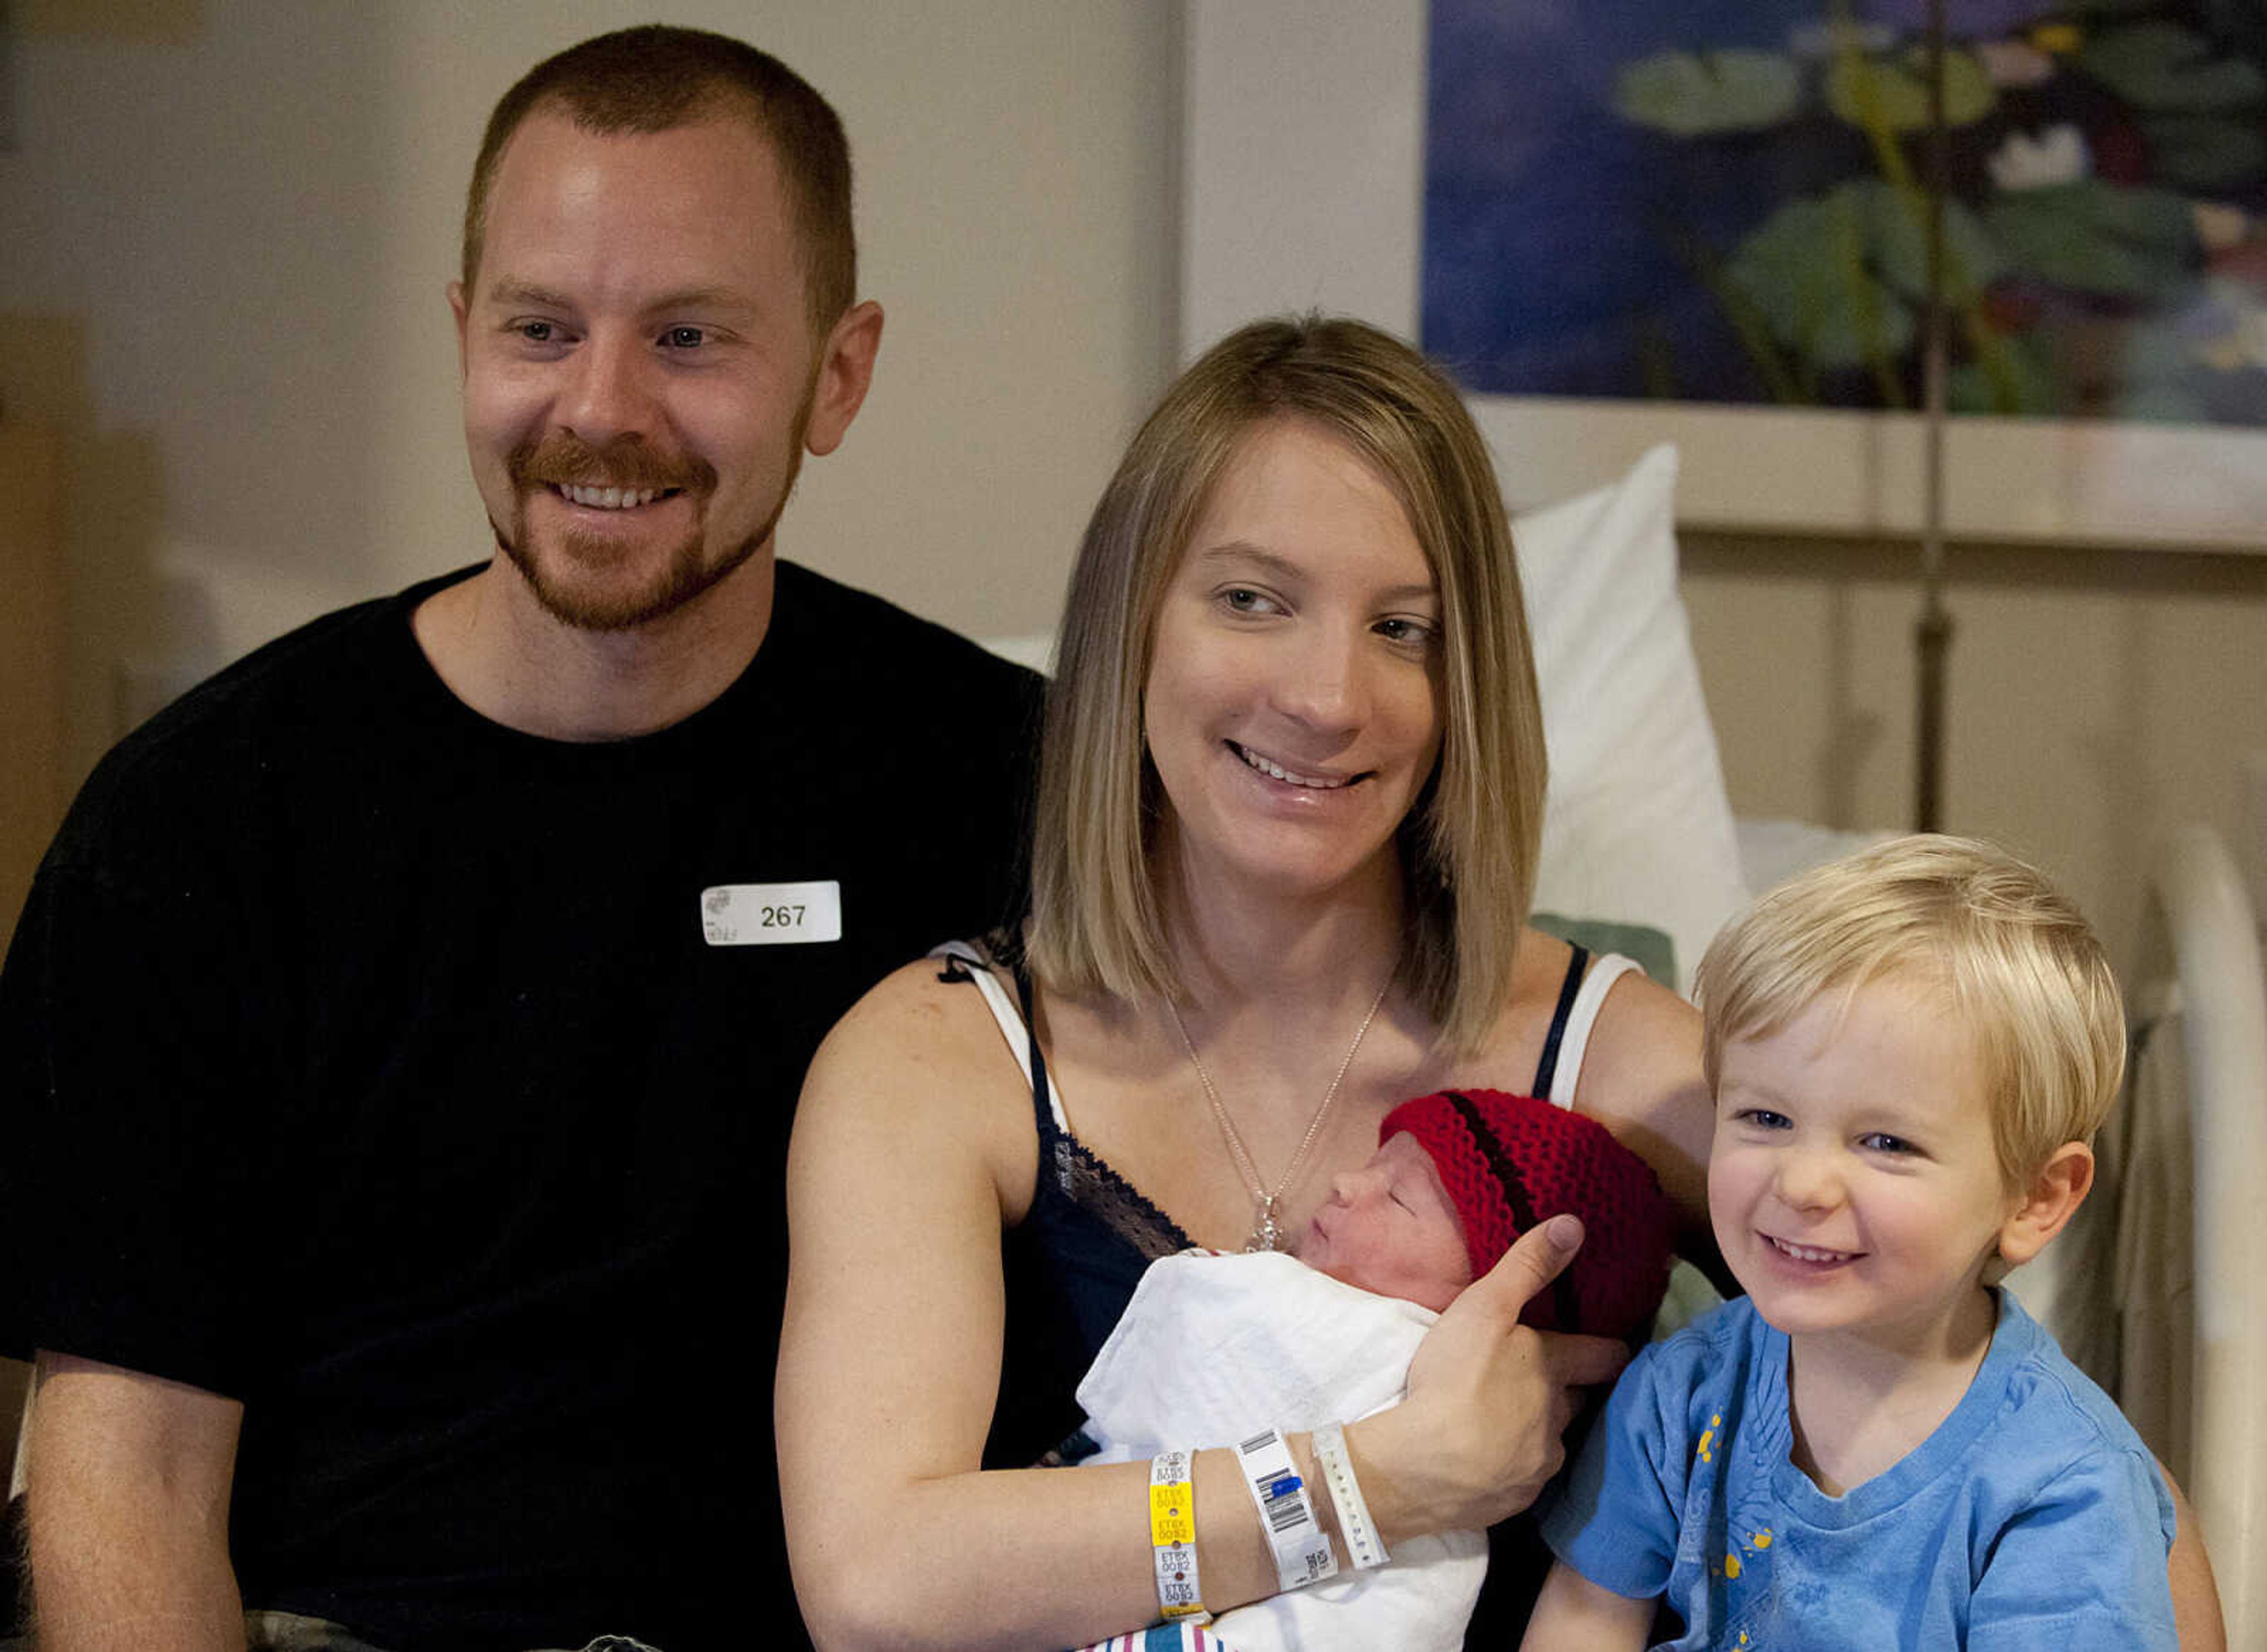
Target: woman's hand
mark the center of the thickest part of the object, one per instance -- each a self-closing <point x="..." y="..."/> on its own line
<point x="1489" y="1399"/>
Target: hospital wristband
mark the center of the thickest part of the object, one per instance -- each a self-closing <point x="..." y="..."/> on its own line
<point x="1364" y="1547"/>
<point x="1173" y="1538"/>
<point x="1302" y="1553"/>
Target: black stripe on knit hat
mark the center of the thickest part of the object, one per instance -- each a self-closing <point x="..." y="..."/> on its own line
<point x="1515" y="1195"/>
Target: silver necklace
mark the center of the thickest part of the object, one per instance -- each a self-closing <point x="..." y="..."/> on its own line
<point x="1266" y="1233"/>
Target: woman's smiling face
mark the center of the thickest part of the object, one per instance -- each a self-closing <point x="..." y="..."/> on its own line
<point x="1293" y="708"/>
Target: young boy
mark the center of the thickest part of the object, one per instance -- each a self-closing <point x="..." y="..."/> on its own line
<point x="1910" y="1050"/>
<point x="1214" y="1347"/>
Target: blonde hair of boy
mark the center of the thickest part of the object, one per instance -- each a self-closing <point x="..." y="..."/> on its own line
<point x="2016" y="961"/>
<point x="1468" y="847"/>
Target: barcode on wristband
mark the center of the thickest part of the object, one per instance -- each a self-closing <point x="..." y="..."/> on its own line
<point x="1280" y="1502"/>
<point x="1302" y="1553"/>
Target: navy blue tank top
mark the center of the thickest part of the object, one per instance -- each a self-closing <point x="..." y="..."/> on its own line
<point x="1071" y="1265"/>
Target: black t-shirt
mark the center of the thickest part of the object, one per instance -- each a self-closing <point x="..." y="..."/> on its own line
<point x="420" y="1083"/>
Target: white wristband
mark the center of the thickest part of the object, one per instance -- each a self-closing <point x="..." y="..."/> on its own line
<point x="1173" y="1538"/>
<point x="1302" y="1553"/>
<point x="1364" y="1547"/>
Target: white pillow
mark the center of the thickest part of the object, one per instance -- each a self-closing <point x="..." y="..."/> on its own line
<point x="1637" y="828"/>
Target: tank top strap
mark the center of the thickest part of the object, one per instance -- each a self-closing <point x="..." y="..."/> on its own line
<point x="1547" y="1068"/>
<point x="1571" y="1028"/>
<point x="965" y="961"/>
<point x="1044" y="1103"/>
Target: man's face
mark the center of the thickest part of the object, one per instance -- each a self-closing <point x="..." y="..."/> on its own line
<point x="639" y="376"/>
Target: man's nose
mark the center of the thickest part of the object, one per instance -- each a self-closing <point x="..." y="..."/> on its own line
<point x="609" y="393"/>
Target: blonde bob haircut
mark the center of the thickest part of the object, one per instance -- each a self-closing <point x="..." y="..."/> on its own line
<point x="2014" y="960"/>
<point x="1467" y="848"/>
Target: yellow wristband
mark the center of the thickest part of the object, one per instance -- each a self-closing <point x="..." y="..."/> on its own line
<point x="1173" y="1538"/>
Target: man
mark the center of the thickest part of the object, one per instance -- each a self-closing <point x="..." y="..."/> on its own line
<point x="403" y="1034"/>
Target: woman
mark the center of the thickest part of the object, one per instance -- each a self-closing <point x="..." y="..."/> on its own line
<point x="1291" y="792"/>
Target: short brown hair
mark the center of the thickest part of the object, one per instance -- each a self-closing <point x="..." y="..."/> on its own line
<point x="1468" y="847"/>
<point x="656" y="78"/>
<point x="2013" y="959"/>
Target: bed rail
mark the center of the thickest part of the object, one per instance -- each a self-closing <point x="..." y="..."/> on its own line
<point x="2199" y="896"/>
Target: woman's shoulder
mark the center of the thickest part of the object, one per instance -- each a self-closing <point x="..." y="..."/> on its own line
<point x="1638" y="1020"/>
<point x="1644" y="1027"/>
<point x="929" y="1019"/>
<point x="918" y="1075"/>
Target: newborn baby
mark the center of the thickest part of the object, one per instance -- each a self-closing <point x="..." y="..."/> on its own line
<point x="1462" y="1174"/>
<point x="1215" y="1347"/>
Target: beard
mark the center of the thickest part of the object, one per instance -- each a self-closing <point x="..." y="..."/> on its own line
<point x="587" y="581"/>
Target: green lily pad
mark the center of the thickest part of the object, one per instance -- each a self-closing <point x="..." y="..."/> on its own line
<point x="1840" y="276"/>
<point x="1813" y="270"/>
<point x="1870" y="93"/>
<point x="2026" y="383"/>
<point x="1689" y="94"/>
<point x="2205" y="152"/>
<point x="2161" y="66"/>
<point x="2099" y="238"/>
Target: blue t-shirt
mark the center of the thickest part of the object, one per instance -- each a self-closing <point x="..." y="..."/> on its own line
<point x="2034" y="1515"/>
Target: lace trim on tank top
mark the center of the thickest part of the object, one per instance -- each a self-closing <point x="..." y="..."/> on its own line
<point x="1079" y="1175"/>
<point x="1088" y="1182"/>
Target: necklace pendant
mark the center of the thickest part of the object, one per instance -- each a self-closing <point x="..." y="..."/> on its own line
<point x="1266" y="1235"/>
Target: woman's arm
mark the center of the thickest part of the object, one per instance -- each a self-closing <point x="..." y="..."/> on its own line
<point x="911" y="1131"/>
<point x="2196" y="1593"/>
<point x="913" y="1137"/>
<point x="1574" y="1614"/>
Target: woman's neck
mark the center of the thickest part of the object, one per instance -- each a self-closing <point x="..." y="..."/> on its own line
<point x="1860" y="1404"/>
<point x="1286" y="955"/>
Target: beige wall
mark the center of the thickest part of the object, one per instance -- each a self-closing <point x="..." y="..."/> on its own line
<point x="2095" y="697"/>
<point x="243" y="222"/>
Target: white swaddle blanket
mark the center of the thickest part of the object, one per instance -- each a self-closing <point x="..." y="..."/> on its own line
<point x="1213" y="1348"/>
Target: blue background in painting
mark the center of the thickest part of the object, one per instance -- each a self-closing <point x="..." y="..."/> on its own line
<point x="1568" y="251"/>
<point x="1549" y="265"/>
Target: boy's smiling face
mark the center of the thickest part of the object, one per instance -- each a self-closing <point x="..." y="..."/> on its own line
<point x="1390" y="1228"/>
<point x="1853" y="1183"/>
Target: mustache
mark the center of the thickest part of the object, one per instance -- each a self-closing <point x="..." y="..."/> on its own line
<point x="561" y="459"/>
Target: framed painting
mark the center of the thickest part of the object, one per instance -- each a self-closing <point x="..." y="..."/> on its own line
<point x="1621" y="222"/>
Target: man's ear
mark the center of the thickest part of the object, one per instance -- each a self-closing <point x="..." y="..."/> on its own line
<point x="2048" y="1201"/>
<point x="845" y="368"/>
<point x="458" y="303"/>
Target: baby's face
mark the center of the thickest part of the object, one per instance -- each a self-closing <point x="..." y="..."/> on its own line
<point x="1389" y="1228"/>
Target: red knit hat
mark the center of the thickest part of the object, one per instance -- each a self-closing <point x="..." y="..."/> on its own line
<point x="1509" y="1162"/>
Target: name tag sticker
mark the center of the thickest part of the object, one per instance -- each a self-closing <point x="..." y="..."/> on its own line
<point x="772" y="915"/>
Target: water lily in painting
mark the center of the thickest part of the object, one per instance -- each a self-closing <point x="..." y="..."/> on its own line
<point x="2025" y="161"/>
<point x="1750" y="220"/>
